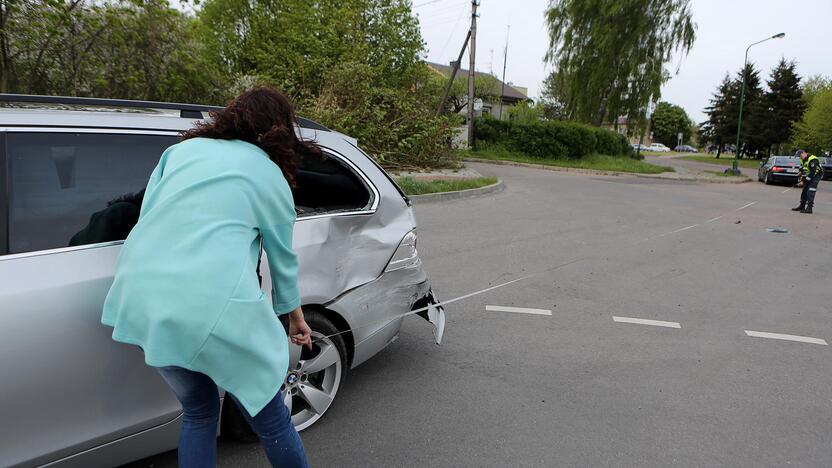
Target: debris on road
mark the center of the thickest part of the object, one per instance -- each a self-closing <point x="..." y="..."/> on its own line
<point x="778" y="229"/>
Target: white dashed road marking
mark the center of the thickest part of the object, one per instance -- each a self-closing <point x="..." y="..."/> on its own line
<point x="518" y="310"/>
<point x="784" y="191"/>
<point x="655" y="323"/>
<point x="745" y="206"/>
<point x="714" y="219"/>
<point x="780" y="336"/>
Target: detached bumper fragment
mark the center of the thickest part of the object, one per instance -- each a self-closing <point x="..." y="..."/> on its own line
<point x="435" y="314"/>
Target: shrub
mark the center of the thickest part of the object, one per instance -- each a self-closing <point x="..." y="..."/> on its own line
<point x="550" y="139"/>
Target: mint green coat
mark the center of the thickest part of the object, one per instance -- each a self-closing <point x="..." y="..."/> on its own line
<point x="186" y="288"/>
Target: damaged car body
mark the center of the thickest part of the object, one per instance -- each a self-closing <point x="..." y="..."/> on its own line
<point x="61" y="160"/>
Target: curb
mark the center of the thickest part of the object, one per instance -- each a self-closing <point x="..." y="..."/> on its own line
<point x="714" y="180"/>
<point x="469" y="193"/>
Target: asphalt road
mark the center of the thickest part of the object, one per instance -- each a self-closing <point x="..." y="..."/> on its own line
<point x="577" y="388"/>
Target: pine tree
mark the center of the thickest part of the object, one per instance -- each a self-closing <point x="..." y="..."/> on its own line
<point x="752" y="142"/>
<point x="784" y="104"/>
<point x="721" y="125"/>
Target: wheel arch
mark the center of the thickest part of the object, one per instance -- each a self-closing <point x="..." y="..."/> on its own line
<point x="340" y="323"/>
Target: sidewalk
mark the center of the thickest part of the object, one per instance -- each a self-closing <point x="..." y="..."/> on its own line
<point x="703" y="172"/>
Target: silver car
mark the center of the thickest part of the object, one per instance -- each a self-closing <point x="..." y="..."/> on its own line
<point x="69" y="394"/>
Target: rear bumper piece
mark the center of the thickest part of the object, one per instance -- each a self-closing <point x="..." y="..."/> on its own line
<point x="435" y="314"/>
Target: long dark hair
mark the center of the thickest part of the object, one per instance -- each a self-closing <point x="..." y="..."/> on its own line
<point x="264" y="117"/>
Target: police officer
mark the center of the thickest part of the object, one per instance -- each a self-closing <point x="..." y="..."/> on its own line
<point x="812" y="173"/>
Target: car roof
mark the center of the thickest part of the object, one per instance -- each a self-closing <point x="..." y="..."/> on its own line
<point x="24" y="109"/>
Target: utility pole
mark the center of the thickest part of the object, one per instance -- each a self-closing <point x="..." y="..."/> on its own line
<point x="472" y="52"/>
<point x="505" y="61"/>
<point x="454" y="69"/>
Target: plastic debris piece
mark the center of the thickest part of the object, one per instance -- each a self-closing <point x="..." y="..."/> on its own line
<point x="738" y="221"/>
<point x="778" y="229"/>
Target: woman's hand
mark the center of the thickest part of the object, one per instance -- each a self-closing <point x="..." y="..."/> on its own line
<point x="299" y="332"/>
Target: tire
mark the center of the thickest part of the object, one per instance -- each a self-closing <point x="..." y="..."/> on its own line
<point x="328" y="380"/>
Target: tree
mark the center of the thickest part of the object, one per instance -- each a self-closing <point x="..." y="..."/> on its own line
<point x="814" y="131"/>
<point x="553" y="99"/>
<point x="722" y="112"/>
<point x="354" y="65"/>
<point x="783" y="104"/>
<point x="813" y="85"/>
<point x="526" y="112"/>
<point x="118" y="49"/>
<point x="752" y="137"/>
<point x="610" y="55"/>
<point x="485" y="87"/>
<point x="668" y="120"/>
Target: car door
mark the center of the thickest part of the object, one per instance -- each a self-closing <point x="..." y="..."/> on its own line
<point x="66" y="386"/>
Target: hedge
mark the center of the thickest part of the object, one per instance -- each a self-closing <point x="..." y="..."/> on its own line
<point x="550" y="139"/>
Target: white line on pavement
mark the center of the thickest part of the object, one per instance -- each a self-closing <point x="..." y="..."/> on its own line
<point x="518" y="310"/>
<point x="714" y="219"/>
<point x="745" y="206"/>
<point x="784" y="191"/>
<point x="780" y="336"/>
<point x="679" y="230"/>
<point x="655" y="323"/>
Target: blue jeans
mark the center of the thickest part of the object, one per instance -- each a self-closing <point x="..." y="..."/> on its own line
<point x="200" y="401"/>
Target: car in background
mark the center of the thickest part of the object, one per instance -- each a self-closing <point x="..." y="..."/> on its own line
<point x="71" y="396"/>
<point x="640" y="147"/>
<point x="685" y="149"/>
<point x="779" y="169"/>
<point x="826" y="163"/>
<point x="658" y="147"/>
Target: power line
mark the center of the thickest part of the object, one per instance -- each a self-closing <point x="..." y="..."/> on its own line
<point x="426" y="3"/>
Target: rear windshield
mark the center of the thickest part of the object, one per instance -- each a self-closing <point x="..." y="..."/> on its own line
<point x="786" y="161"/>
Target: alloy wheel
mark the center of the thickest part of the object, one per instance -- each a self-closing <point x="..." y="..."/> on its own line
<point x="313" y="380"/>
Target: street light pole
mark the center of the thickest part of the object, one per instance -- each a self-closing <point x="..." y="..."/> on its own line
<point x="734" y="170"/>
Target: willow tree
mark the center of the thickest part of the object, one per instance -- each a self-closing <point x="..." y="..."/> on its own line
<point x="610" y="56"/>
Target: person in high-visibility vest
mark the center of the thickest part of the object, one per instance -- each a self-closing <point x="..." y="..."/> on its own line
<point x="812" y="173"/>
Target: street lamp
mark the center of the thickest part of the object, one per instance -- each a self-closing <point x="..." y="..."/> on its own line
<point x="734" y="170"/>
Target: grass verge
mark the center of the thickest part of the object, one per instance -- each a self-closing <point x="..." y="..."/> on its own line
<point x="597" y="162"/>
<point x="748" y="163"/>
<point x="412" y="186"/>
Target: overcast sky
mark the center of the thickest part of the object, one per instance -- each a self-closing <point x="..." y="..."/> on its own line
<point x="725" y="28"/>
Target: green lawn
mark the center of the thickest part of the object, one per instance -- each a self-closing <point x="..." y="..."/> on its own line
<point x="724" y="161"/>
<point x="412" y="186"/>
<point x="597" y="162"/>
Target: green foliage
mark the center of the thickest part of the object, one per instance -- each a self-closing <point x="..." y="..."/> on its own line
<point x="412" y="186"/>
<point x="526" y="112"/>
<point x="610" y="55"/>
<point x="353" y="64"/>
<point x="783" y="105"/>
<point x="813" y="85"/>
<point x="553" y="98"/>
<point x="668" y="120"/>
<point x="768" y="115"/>
<point x="120" y="49"/>
<point x="550" y="139"/>
<point x="814" y="131"/>
<point x="392" y="124"/>
<point x="486" y="87"/>
<point x="598" y="162"/>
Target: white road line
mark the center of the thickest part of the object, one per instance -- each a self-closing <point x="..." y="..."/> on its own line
<point x="518" y="310"/>
<point x="780" y="336"/>
<point x="745" y="206"/>
<point x="714" y="219"/>
<point x="784" y="191"/>
<point x="655" y="323"/>
<point x="679" y="230"/>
